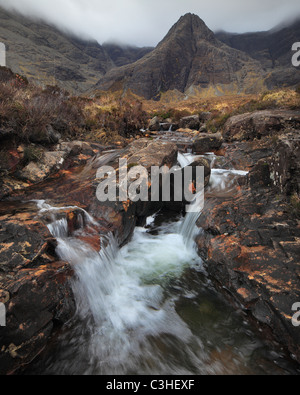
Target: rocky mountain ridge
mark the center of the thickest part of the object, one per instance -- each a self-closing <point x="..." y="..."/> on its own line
<point x="273" y="49"/>
<point x="189" y="58"/>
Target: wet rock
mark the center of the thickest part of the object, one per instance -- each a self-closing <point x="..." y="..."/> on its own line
<point x="34" y="285"/>
<point x="154" y="124"/>
<point x="79" y="152"/>
<point x="206" y="142"/>
<point x="39" y="300"/>
<point x="285" y="164"/>
<point x="47" y="163"/>
<point x="205" y="163"/>
<point x="9" y="160"/>
<point x="260" y="124"/>
<point x="244" y="155"/>
<point x="38" y="171"/>
<point x="191" y="122"/>
<point x="78" y="186"/>
<point x="152" y="153"/>
<point x="195" y="181"/>
<point x="260" y="174"/>
<point x="251" y="247"/>
<point x="8" y="185"/>
<point x="123" y="216"/>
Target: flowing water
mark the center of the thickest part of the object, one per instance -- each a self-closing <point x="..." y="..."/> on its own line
<point x="149" y="308"/>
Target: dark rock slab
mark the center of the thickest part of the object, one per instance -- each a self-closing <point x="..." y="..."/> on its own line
<point x="207" y="142"/>
<point x="260" y="124"/>
<point x="285" y="164"/>
<point x="251" y="249"/>
<point x="191" y="122"/>
<point x="34" y="286"/>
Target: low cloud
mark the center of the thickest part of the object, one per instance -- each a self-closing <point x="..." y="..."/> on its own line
<point x="144" y="22"/>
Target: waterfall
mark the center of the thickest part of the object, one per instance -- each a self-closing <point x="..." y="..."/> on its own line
<point x="120" y="292"/>
<point x="185" y="159"/>
<point x="47" y="208"/>
<point x="148" y="308"/>
<point x="222" y="183"/>
<point x="188" y="226"/>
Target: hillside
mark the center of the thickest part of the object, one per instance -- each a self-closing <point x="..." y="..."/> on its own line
<point x="46" y="55"/>
<point x="122" y="55"/>
<point x="272" y="49"/>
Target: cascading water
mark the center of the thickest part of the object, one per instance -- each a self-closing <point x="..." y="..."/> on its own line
<point x="148" y="308"/>
<point x="120" y="295"/>
<point x="188" y="227"/>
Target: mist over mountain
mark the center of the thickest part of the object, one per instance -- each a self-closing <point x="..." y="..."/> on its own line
<point x="272" y="49"/>
<point x="144" y="23"/>
<point x="47" y="55"/>
<point x="125" y="54"/>
<point x="190" y="59"/>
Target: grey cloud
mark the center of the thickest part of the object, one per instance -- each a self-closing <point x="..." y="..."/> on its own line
<point x="145" y="22"/>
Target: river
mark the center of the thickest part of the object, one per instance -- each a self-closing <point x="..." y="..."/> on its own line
<point x="149" y="308"/>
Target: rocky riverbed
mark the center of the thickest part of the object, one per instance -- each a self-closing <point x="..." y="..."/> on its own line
<point x="249" y="241"/>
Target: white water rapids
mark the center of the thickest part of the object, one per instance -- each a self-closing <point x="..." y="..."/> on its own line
<point x="148" y="308"/>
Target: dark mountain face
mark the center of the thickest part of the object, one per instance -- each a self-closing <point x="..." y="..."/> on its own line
<point x="48" y="56"/>
<point x="273" y="49"/>
<point x="122" y="55"/>
<point x="189" y="58"/>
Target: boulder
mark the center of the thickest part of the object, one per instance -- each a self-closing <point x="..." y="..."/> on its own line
<point x="259" y="124"/>
<point x="205" y="163"/>
<point x="37" y="171"/>
<point x="206" y="142"/>
<point x="205" y="116"/>
<point x="190" y="122"/>
<point x="9" y="184"/>
<point x="180" y="206"/>
<point x="44" y="135"/>
<point x="34" y="286"/>
<point x="154" y="124"/>
<point x="152" y="153"/>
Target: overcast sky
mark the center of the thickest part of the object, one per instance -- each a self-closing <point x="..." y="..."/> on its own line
<point x="146" y="22"/>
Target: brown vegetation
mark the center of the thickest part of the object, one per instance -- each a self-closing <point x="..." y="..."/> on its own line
<point x="109" y="118"/>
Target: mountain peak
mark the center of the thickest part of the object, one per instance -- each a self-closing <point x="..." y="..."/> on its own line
<point x="191" y="18"/>
<point x="189" y="57"/>
<point x="191" y="26"/>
